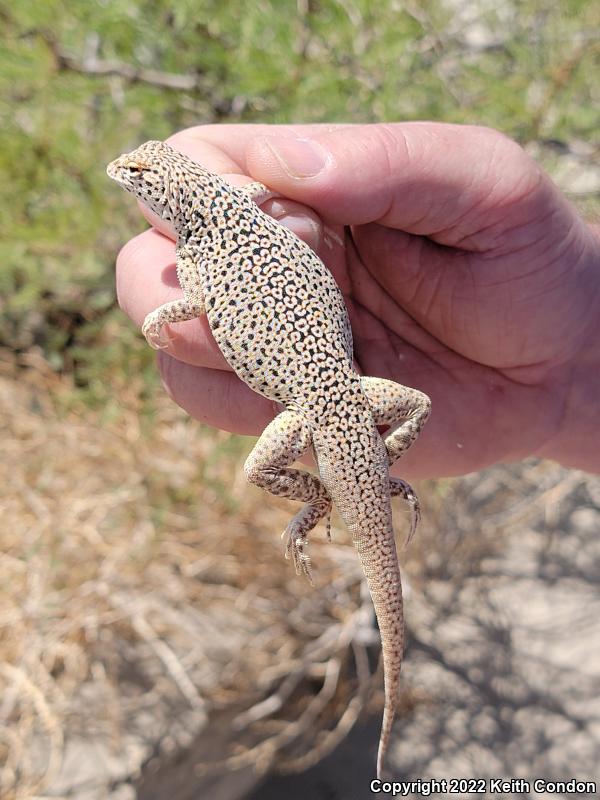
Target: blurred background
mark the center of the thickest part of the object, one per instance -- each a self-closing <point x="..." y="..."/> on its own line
<point x="153" y="642"/>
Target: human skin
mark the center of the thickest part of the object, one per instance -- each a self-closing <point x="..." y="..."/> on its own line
<point x="466" y="273"/>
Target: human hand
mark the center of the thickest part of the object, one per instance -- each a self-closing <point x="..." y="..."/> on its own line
<point x="465" y="271"/>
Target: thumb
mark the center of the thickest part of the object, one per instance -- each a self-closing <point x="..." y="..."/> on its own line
<point x="426" y="178"/>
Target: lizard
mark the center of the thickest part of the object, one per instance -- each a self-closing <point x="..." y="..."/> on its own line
<point x="281" y="323"/>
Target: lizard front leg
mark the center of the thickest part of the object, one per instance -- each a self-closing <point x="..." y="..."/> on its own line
<point x="190" y="306"/>
<point x="390" y="403"/>
<point x="282" y="442"/>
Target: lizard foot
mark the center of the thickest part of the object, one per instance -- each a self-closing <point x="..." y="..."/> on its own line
<point x="297" y="540"/>
<point x="400" y="487"/>
<point x="155" y="334"/>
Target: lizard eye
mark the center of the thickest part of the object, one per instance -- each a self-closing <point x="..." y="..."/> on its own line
<point x="133" y="168"/>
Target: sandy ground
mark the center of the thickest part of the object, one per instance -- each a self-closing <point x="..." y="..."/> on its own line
<point x="507" y="664"/>
<point x="503" y="660"/>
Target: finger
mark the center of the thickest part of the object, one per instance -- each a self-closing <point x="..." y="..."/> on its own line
<point x="228" y="144"/>
<point x="456" y="184"/>
<point x="215" y="397"/>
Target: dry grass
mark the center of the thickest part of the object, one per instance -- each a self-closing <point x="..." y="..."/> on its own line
<point x="127" y="552"/>
<point x="142" y="588"/>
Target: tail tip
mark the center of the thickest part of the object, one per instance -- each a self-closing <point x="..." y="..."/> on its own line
<point x="380" y="762"/>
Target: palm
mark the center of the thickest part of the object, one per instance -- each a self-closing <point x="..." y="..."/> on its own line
<point x="475" y="283"/>
<point x="478" y="332"/>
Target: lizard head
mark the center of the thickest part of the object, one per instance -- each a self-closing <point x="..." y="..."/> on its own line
<point x="148" y="172"/>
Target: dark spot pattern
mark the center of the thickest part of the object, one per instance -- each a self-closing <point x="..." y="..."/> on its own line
<point x="280" y="321"/>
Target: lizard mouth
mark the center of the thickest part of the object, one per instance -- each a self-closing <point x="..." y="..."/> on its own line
<point x="112" y="171"/>
<point x="123" y="169"/>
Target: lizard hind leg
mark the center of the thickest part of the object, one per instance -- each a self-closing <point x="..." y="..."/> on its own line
<point x="391" y="403"/>
<point x="282" y="442"/>
<point x="297" y="535"/>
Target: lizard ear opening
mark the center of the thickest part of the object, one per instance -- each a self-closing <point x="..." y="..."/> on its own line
<point x="150" y="177"/>
<point x="165" y="195"/>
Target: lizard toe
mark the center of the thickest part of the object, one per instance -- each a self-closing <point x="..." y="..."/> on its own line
<point x="295" y="549"/>
<point x="156" y="335"/>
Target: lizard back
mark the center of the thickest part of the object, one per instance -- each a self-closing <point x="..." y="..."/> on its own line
<point x="273" y="307"/>
<point x="280" y="321"/>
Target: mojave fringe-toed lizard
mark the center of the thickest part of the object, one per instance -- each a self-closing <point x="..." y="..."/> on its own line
<point x="280" y="321"/>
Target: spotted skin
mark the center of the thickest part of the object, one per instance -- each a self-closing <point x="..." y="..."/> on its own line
<point x="280" y="321"/>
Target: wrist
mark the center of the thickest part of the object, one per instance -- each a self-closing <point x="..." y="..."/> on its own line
<point x="575" y="440"/>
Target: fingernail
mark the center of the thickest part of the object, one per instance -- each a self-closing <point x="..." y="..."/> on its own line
<point x="300" y="158"/>
<point x="302" y="225"/>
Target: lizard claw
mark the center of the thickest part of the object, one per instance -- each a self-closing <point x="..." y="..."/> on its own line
<point x="401" y="488"/>
<point x="294" y="549"/>
<point x="415" y="518"/>
<point x="155" y="335"/>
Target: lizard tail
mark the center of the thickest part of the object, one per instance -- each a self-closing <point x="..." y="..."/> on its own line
<point x="379" y="561"/>
<point x="389" y="713"/>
